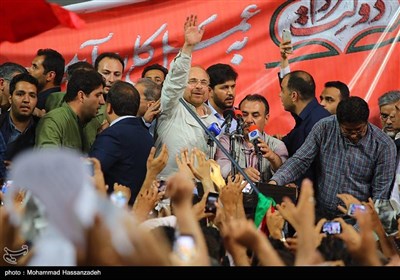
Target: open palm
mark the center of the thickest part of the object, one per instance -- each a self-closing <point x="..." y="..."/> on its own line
<point x="193" y="34"/>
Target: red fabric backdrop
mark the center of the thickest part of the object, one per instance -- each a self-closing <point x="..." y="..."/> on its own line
<point x="356" y="42"/>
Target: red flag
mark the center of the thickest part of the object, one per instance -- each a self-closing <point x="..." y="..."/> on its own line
<point x="25" y="19"/>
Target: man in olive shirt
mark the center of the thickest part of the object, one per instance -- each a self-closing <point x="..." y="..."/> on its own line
<point x="64" y="126"/>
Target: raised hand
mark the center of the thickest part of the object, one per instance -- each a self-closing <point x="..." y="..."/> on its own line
<point x="152" y="112"/>
<point x="193" y="33"/>
<point x="347" y="200"/>
<point x="183" y="160"/>
<point x="156" y="164"/>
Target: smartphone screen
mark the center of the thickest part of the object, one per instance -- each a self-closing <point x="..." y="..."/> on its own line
<point x="331" y="227"/>
<point x="354" y="207"/>
<point x="162" y="185"/>
<point x="210" y="203"/>
<point x="185" y="247"/>
<point x="119" y="199"/>
<point x="89" y="167"/>
<point x="387" y="215"/>
<point x="247" y="189"/>
<point x="6" y="185"/>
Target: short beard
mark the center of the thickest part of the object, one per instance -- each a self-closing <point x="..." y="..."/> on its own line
<point x="22" y="118"/>
<point x="391" y="134"/>
<point x="221" y="104"/>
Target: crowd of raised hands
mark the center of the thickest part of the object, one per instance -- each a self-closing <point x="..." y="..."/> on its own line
<point x="237" y="242"/>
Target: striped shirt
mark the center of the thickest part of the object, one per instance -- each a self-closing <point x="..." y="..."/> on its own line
<point x="364" y="170"/>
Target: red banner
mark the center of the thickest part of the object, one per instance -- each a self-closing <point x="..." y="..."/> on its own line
<point x="352" y="41"/>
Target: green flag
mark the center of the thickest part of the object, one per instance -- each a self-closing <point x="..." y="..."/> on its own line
<point x="263" y="204"/>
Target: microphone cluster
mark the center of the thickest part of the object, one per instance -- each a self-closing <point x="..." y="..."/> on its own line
<point x="229" y="115"/>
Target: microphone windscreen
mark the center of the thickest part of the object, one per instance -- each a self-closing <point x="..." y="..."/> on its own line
<point x="238" y="113"/>
<point x="253" y="127"/>
<point x="228" y="113"/>
<point x="214" y="128"/>
<point x="254" y="134"/>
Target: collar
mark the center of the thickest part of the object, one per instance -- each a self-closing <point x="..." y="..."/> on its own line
<point x="14" y="128"/>
<point x="121" y="118"/>
<point x="214" y="112"/>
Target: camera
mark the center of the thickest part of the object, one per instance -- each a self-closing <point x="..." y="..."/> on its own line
<point x="210" y="203"/>
<point x="354" y="207"/>
<point x="331" y="227"/>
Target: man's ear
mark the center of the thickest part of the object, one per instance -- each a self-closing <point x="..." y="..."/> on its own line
<point x="109" y="108"/>
<point x="81" y="96"/>
<point x="2" y="84"/>
<point x="50" y="76"/>
<point x="266" y="118"/>
<point x="295" y="96"/>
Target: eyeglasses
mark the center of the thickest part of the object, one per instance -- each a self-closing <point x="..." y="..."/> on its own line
<point x="350" y="132"/>
<point x="384" y="117"/>
<point x="194" y="82"/>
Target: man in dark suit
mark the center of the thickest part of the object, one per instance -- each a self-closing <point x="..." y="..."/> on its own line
<point x="298" y="97"/>
<point x="124" y="146"/>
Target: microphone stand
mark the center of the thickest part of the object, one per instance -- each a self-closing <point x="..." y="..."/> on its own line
<point x="233" y="152"/>
<point x="260" y="166"/>
<point x="232" y="146"/>
<point x="241" y="171"/>
<point x="210" y="143"/>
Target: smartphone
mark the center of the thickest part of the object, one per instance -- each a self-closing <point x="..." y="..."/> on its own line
<point x="286" y="35"/>
<point x="354" y="207"/>
<point x="331" y="227"/>
<point x="185" y="247"/>
<point x="210" y="203"/>
<point x="6" y="185"/>
<point x="89" y="167"/>
<point x="119" y="199"/>
<point x="162" y="184"/>
<point x="387" y="215"/>
<point x="247" y="189"/>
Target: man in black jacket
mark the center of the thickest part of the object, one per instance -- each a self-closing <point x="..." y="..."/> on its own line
<point x="18" y="125"/>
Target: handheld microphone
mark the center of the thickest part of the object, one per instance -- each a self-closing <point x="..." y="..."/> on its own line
<point x="214" y="129"/>
<point x="254" y="134"/>
<point x="240" y="121"/>
<point x="228" y="116"/>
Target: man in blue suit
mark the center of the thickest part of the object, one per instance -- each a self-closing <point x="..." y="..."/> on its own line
<point x="124" y="146"/>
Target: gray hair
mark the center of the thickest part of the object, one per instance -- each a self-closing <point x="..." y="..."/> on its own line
<point x="8" y="69"/>
<point x="389" y="98"/>
<point x="152" y="90"/>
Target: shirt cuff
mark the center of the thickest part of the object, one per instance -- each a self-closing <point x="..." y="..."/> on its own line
<point x="284" y="71"/>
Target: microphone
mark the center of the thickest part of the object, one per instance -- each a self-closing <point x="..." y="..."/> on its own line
<point x="254" y="134"/>
<point x="214" y="129"/>
<point x="240" y="121"/>
<point x="220" y="146"/>
<point x="228" y="116"/>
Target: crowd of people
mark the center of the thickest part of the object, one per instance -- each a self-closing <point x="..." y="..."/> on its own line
<point x="111" y="173"/>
